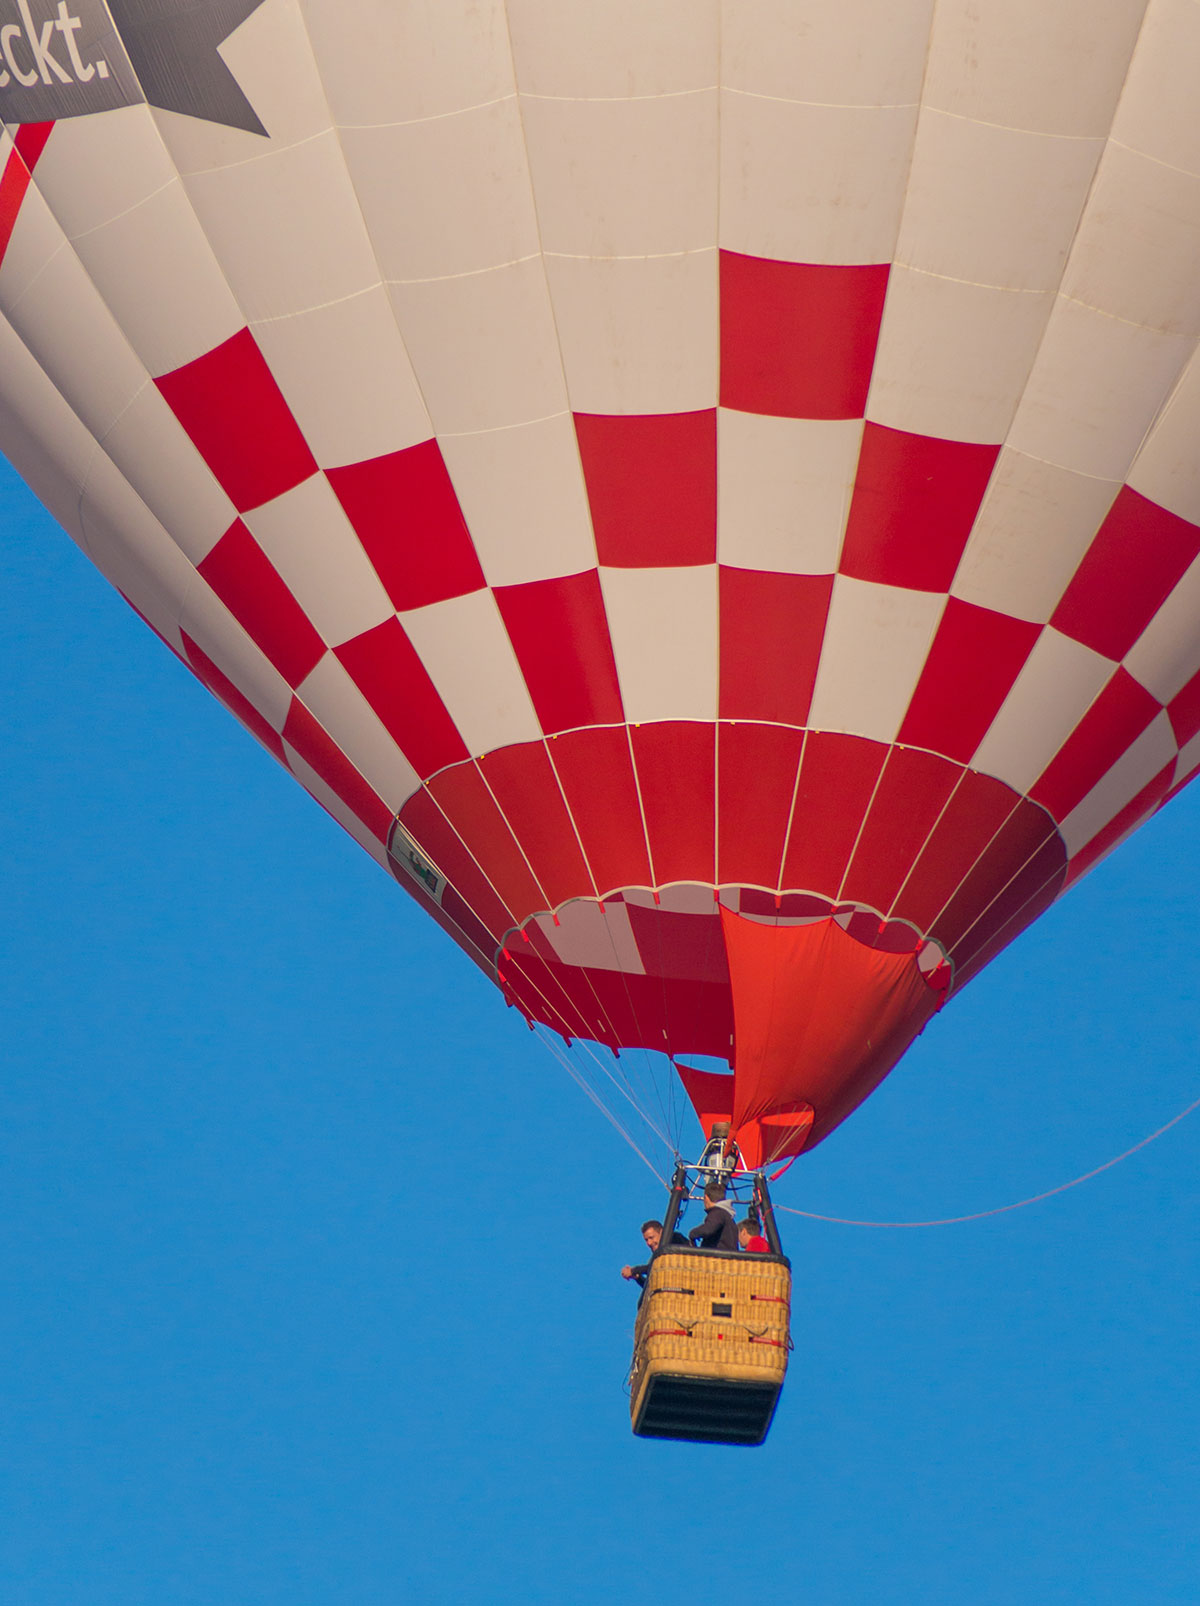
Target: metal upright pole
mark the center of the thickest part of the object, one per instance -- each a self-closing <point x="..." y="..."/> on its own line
<point x="767" y="1212"/>
<point x="678" y="1189"/>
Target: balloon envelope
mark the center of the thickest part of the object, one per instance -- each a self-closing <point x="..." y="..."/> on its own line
<point x="649" y="469"/>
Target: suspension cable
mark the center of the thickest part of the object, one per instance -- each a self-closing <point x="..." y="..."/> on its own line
<point x="981" y="1215"/>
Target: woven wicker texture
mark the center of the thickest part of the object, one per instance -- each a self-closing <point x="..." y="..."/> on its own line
<point x="682" y="1327"/>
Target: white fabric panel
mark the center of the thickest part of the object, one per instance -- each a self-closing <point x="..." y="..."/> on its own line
<point x="812" y="183"/>
<point x="953" y="358"/>
<point x="522" y="494"/>
<point x="366" y="404"/>
<point x="624" y="177"/>
<point x="384" y="62"/>
<point x="450" y="195"/>
<point x="214" y="629"/>
<point x="286" y="228"/>
<point x="40" y="435"/>
<point x="783" y="490"/>
<point x="995" y="206"/>
<point x="682" y="898"/>
<point x="638" y="336"/>
<point x="332" y="804"/>
<point x="156" y="271"/>
<point x="616" y="50"/>
<point x="1188" y="761"/>
<point x="483" y="347"/>
<point x="1094" y="390"/>
<point x="1057" y="685"/>
<point x="1167" y="467"/>
<point x="1025" y="64"/>
<point x="663" y="625"/>
<point x="1167" y="653"/>
<point x="271" y="58"/>
<point x="1138" y="243"/>
<point x="128" y="545"/>
<point x="1034" y="526"/>
<point x="593" y="937"/>
<point x="877" y="639"/>
<point x="149" y="446"/>
<point x="95" y="168"/>
<point x="1136" y="768"/>
<point x="858" y="53"/>
<point x="312" y="543"/>
<point x="466" y="651"/>
<point x="336" y="702"/>
<point x="35" y="241"/>
<point x="70" y="331"/>
<point x="1157" y="110"/>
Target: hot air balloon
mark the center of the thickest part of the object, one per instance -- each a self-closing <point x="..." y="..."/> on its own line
<point x="706" y="494"/>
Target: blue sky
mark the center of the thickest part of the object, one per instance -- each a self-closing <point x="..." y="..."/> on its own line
<point x="309" y="1251"/>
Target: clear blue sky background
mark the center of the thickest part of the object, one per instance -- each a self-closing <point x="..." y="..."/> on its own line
<point x="309" y="1251"/>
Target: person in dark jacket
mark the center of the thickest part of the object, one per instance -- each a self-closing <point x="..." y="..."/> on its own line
<point x="652" y="1233"/>
<point x="718" y="1230"/>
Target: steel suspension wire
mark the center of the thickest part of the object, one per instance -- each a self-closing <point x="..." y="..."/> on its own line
<point x="1000" y="1210"/>
<point x="544" y="1035"/>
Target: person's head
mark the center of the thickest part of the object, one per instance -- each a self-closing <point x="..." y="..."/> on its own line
<point x="714" y="1193"/>
<point x="652" y="1233"/>
<point x="746" y="1231"/>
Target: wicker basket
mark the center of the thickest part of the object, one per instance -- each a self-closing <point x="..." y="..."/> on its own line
<point x="710" y="1347"/>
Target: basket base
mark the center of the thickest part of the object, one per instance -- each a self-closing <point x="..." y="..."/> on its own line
<point x="706" y="1410"/>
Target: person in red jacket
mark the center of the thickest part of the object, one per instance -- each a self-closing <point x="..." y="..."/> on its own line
<point x="751" y="1240"/>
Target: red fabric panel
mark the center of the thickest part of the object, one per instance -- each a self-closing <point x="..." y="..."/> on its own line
<point x="1013" y="927"/>
<point x="1047" y="867"/>
<point x="30" y="142"/>
<point x="1023" y="836"/>
<point x="405" y="513"/>
<point x="979" y="807"/>
<point x="797" y="339"/>
<point x="597" y="778"/>
<point x="250" y="586"/>
<point x="559" y="632"/>
<point x="789" y="906"/>
<point x="676" y="767"/>
<point x="1184" y="711"/>
<point x="711" y="1094"/>
<point x="771" y="631"/>
<point x="537" y="990"/>
<point x="686" y="947"/>
<point x="472" y="811"/>
<point x="837" y="777"/>
<point x="1117" y="718"/>
<point x="820" y="1019"/>
<point x="235" y="416"/>
<point x="221" y="686"/>
<point x="1138" y="556"/>
<point x="756" y="771"/>
<point x="975" y="658"/>
<point x="652" y="485"/>
<point x="915" y="500"/>
<point x="697" y="1016"/>
<point x="321" y="753"/>
<point x="435" y="836"/>
<point x="1135" y="811"/>
<point x="384" y="665"/>
<point x="526" y="788"/>
<point x="912" y="792"/>
<point x="458" y="914"/>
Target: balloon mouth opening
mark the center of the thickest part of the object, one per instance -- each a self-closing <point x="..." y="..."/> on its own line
<point x="648" y="927"/>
